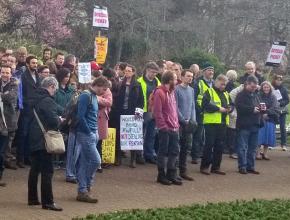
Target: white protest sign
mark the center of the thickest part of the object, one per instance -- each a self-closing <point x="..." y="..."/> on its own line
<point x="85" y="72"/>
<point x="278" y="94"/>
<point x="276" y="54"/>
<point x="131" y="133"/>
<point x="101" y="17"/>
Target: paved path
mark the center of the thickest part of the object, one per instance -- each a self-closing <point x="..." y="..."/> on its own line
<point x="124" y="188"/>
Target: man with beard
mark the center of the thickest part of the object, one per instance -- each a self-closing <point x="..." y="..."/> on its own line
<point x="166" y="117"/>
<point x="47" y="55"/>
<point x="30" y="82"/>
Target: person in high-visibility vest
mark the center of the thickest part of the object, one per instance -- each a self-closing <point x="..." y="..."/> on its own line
<point x="201" y="85"/>
<point x="149" y="82"/>
<point x="216" y="105"/>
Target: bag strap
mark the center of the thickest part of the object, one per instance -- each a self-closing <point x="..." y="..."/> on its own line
<point x="2" y="112"/>
<point x="39" y="122"/>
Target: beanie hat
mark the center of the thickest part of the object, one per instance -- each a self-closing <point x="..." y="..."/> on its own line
<point x="207" y="66"/>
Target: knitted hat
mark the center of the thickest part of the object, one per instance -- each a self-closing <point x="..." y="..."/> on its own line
<point x="207" y="66"/>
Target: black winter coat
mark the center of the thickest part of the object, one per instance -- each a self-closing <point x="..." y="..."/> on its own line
<point x="272" y="107"/>
<point x="243" y="78"/>
<point x="29" y="87"/>
<point x="136" y="99"/>
<point x="245" y="104"/>
<point x="9" y="98"/>
<point x="46" y="109"/>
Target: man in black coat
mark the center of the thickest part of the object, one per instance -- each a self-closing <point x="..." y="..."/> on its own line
<point x="30" y="82"/>
<point x="248" y="124"/>
<point x="251" y="70"/>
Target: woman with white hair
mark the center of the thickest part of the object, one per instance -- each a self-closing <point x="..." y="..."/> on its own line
<point x="270" y="112"/>
<point x="232" y="84"/>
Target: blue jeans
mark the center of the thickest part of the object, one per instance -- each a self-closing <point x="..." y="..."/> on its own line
<point x="71" y="157"/>
<point x="88" y="161"/>
<point x="247" y="143"/>
<point x="283" y="129"/>
<point x="149" y="137"/>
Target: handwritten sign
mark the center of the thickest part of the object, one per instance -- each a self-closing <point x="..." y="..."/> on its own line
<point x="85" y="72"/>
<point x="131" y="133"/>
<point x="109" y="147"/>
<point x="101" y="49"/>
<point x="276" y="54"/>
<point x="101" y="17"/>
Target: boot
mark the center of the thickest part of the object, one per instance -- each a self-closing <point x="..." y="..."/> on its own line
<point x="185" y="176"/>
<point x="172" y="176"/>
<point x="161" y="178"/>
<point x="85" y="197"/>
<point x="133" y="159"/>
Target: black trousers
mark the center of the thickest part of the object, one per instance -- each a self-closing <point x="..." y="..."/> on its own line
<point x="231" y="141"/>
<point x="41" y="163"/>
<point x="215" y="136"/>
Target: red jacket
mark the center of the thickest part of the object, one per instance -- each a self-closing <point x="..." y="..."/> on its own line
<point x="165" y="109"/>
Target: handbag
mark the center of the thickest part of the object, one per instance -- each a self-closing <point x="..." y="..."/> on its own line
<point x="54" y="142"/>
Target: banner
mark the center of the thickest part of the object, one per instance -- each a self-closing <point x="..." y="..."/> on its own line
<point x="109" y="147"/>
<point x="101" y="17"/>
<point x="101" y="47"/>
<point x="85" y="72"/>
<point x="276" y="54"/>
<point x="131" y="133"/>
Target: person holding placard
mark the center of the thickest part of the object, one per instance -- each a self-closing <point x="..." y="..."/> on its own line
<point x="282" y="96"/>
<point x="130" y="97"/>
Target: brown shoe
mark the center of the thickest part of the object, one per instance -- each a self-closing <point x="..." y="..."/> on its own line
<point x="186" y="177"/>
<point x="205" y="171"/>
<point x="218" y="172"/>
<point x="2" y="184"/>
<point x="85" y="197"/>
<point x="253" y="172"/>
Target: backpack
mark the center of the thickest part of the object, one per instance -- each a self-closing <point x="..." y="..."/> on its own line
<point x="70" y="114"/>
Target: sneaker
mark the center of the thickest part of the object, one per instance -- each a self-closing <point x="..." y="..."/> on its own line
<point x="205" y="171"/>
<point x="85" y="197"/>
<point x="233" y="156"/>
<point x="284" y="148"/>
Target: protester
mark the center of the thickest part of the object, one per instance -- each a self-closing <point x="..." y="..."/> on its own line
<point x="88" y="158"/>
<point x="12" y="62"/>
<point x="267" y="135"/>
<point x="187" y="119"/>
<point x="200" y="87"/>
<point x="282" y="96"/>
<point x="30" y="82"/>
<point x="43" y="72"/>
<point x="248" y="123"/>
<point x="231" y="129"/>
<point x="21" y="55"/>
<point x="55" y="65"/>
<point x="166" y="117"/>
<point x="251" y="70"/>
<point x="46" y="55"/>
<point x="120" y="70"/>
<point x="177" y="68"/>
<point x="216" y="105"/>
<point x="41" y="161"/>
<point x="196" y="71"/>
<point x="148" y="83"/>
<point x="162" y="68"/>
<point x="8" y="91"/>
<point x="130" y="97"/>
<point x="105" y="102"/>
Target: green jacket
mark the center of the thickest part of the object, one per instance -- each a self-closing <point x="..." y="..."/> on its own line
<point x="63" y="97"/>
<point x="143" y="83"/>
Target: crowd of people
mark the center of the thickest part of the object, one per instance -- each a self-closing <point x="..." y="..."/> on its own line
<point x="185" y="112"/>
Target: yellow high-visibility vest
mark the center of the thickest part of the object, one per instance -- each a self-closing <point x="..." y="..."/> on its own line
<point x="203" y="87"/>
<point x="216" y="117"/>
<point x="142" y="81"/>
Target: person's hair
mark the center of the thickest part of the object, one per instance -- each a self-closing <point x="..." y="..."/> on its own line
<point x="96" y="73"/>
<point x="21" y="50"/>
<point x="132" y="67"/>
<point x="2" y="50"/>
<point x="161" y="63"/>
<point x="41" y="68"/>
<point x="167" y="77"/>
<point x="232" y="75"/>
<point x="6" y="55"/>
<point x="122" y="66"/>
<point x="101" y="82"/>
<point x="49" y="81"/>
<point x="183" y="72"/>
<point x="109" y="73"/>
<point x="266" y="83"/>
<point x="151" y="65"/>
<point x="58" y="54"/>
<point x="222" y="77"/>
<point x="29" y="58"/>
<point x="250" y="63"/>
<point x="69" y="58"/>
<point x="277" y="76"/>
<point x="252" y="79"/>
<point x="61" y="74"/>
<point x="47" y="49"/>
<point x="178" y="64"/>
<point x="6" y="66"/>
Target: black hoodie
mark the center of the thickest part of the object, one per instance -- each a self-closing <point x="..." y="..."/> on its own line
<point x="46" y="109"/>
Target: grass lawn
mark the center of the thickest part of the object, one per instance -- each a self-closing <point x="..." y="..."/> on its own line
<point x="240" y="210"/>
